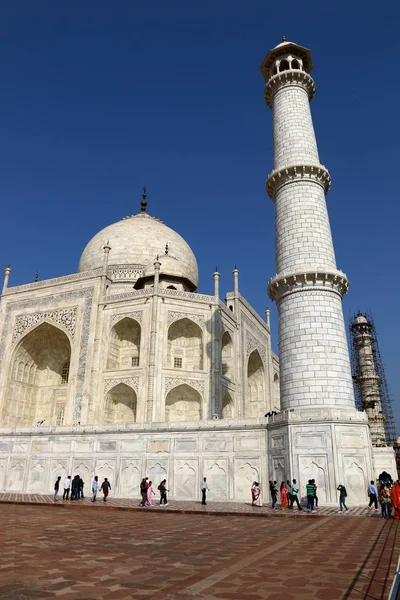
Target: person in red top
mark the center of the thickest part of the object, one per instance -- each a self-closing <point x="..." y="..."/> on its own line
<point x="105" y="488"/>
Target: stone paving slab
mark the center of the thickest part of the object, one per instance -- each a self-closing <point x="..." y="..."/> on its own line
<point x="189" y="507"/>
<point x="107" y="555"/>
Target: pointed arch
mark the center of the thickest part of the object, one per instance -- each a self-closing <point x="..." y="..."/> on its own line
<point x="256" y="401"/>
<point x="227" y="356"/>
<point x="124" y="346"/>
<point x="120" y="405"/>
<point x="185" y="345"/>
<point x="228" y="408"/>
<point x="276" y="392"/>
<point x="183" y="403"/>
<point x="36" y="376"/>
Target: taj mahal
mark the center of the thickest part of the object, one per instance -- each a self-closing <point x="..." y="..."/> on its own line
<point x="124" y="369"/>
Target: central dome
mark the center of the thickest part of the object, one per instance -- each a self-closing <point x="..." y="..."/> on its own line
<point x="137" y="240"/>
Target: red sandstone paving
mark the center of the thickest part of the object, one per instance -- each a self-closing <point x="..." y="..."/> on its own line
<point x="111" y="554"/>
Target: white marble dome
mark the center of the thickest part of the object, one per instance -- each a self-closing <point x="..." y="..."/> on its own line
<point x="136" y="240"/>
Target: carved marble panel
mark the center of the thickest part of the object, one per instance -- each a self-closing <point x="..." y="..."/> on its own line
<point x="83" y="468"/>
<point x="186" y="445"/>
<point x="132" y="382"/>
<point x="241" y="443"/>
<point x="156" y="471"/>
<point x="216" y="444"/>
<point x="130" y="478"/>
<point x="186" y="480"/>
<point x="105" y="446"/>
<point x="131" y="446"/>
<point x="158" y="446"/>
<point x="36" y="477"/>
<point x="3" y="465"/>
<point x="136" y="316"/>
<point x="83" y="446"/>
<point x="5" y="447"/>
<point x="105" y="468"/>
<point x="246" y="471"/>
<point x="66" y="317"/>
<point x="314" y="467"/>
<point x="171" y="382"/>
<point x="176" y="316"/>
<point x="15" y="480"/>
<point x="59" y="468"/>
<point x="216" y="472"/>
<point x="310" y="439"/>
<point x="355" y="477"/>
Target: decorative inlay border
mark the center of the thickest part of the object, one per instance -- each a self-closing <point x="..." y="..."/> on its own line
<point x="317" y="173"/>
<point x="132" y="382"/>
<point x="136" y="316"/>
<point x="66" y="317"/>
<point x="49" y="282"/>
<point x="172" y="382"/>
<point x="281" y="285"/>
<point x="117" y="272"/>
<point x="289" y="78"/>
<point x="87" y="295"/>
<point x="175" y="316"/>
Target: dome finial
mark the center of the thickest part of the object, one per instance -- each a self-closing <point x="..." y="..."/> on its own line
<point x="166" y="248"/>
<point x="284" y="38"/>
<point x="143" y="203"/>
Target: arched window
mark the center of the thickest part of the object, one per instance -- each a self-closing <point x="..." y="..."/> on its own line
<point x="185" y="342"/>
<point x="183" y="403"/>
<point x="255" y="405"/>
<point x="284" y="65"/>
<point x="120" y="405"/>
<point x="65" y="373"/>
<point x="41" y="356"/>
<point x="276" y="392"/>
<point x="124" y="348"/>
<point x="295" y="64"/>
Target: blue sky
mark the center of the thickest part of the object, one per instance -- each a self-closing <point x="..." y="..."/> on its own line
<point x="100" y="98"/>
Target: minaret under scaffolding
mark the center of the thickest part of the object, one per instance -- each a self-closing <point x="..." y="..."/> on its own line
<point x="371" y="390"/>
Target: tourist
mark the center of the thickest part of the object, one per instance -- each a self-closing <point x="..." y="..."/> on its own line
<point x="342" y="498"/>
<point x="396" y="499"/>
<point x="315" y="494"/>
<point x="67" y="487"/>
<point x="95" y="488"/>
<point x="150" y="492"/>
<point x="204" y="488"/>
<point x="257" y="494"/>
<point x="289" y="493"/>
<point x="293" y="496"/>
<point x="284" y="498"/>
<point x="75" y="488"/>
<point x="373" y="495"/>
<point x="310" y="491"/>
<point x="274" y="492"/>
<point x="143" y="490"/>
<point x="252" y="491"/>
<point x="56" y="488"/>
<point x="163" y="493"/>
<point x="81" y="483"/>
<point x="105" y="488"/>
<point x="385" y="500"/>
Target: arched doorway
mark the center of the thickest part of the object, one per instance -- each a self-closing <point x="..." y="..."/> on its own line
<point x="185" y="346"/>
<point x="255" y="405"/>
<point x="38" y="378"/>
<point x="227" y="356"/>
<point x="228" y="409"/>
<point x="120" y="405"/>
<point x="183" y="403"/>
<point x="124" y="348"/>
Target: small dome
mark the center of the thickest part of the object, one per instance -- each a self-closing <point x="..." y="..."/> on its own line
<point x="360" y="320"/>
<point x="136" y="240"/>
<point x="169" y="266"/>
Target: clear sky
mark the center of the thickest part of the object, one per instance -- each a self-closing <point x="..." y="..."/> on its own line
<point x="100" y="98"/>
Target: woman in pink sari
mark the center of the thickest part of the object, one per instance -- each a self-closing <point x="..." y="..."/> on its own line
<point x="150" y="492"/>
<point x="396" y="499"/>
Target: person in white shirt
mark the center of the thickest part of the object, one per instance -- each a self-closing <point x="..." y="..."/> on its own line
<point x="373" y="495"/>
<point x="204" y="488"/>
<point x="95" y="488"/>
<point x="67" y="487"/>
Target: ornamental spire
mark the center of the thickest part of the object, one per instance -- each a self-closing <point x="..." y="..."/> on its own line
<point x="143" y="203"/>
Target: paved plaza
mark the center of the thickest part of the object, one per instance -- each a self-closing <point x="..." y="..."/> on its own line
<point x="60" y="551"/>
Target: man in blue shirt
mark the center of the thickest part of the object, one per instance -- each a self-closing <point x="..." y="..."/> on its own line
<point x="373" y="495"/>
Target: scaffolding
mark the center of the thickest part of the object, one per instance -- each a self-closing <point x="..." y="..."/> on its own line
<point x="386" y="402"/>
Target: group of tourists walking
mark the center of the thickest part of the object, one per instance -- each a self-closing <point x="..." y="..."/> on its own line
<point x="387" y="494"/>
<point x="75" y="487"/>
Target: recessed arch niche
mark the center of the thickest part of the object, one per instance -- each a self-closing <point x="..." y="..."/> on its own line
<point x="185" y="341"/>
<point x="124" y="347"/>
<point x="183" y="403"/>
<point x="228" y="407"/>
<point x="227" y="356"/>
<point x="255" y="405"/>
<point x="38" y="378"/>
<point x="120" y="405"/>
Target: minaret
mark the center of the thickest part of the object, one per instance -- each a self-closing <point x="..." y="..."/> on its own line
<point x="315" y="371"/>
<point x="368" y="379"/>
